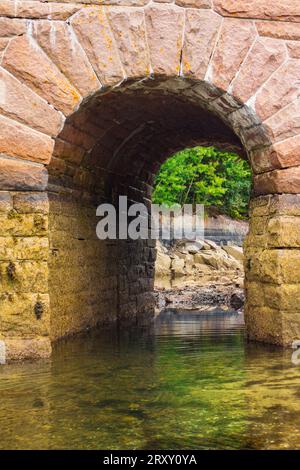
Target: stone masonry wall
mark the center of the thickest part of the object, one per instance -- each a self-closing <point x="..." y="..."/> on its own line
<point x="82" y="270"/>
<point x="24" y="297"/>
<point x="94" y="95"/>
<point x="273" y="269"/>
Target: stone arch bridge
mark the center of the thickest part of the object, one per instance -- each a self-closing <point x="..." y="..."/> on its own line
<point x="94" y="95"/>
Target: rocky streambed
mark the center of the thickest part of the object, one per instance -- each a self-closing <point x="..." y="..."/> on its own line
<point x="199" y="275"/>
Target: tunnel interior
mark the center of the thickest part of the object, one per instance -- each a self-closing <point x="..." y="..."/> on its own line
<point x="114" y="145"/>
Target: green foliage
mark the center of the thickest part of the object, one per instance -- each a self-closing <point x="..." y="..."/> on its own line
<point x="204" y="175"/>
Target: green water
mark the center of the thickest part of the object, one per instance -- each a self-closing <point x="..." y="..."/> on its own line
<point x="192" y="382"/>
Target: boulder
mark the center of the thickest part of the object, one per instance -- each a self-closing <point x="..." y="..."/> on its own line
<point x="237" y="300"/>
<point x="235" y="252"/>
<point x="212" y="245"/>
<point x="163" y="264"/>
<point x="193" y="247"/>
<point x="178" y="267"/>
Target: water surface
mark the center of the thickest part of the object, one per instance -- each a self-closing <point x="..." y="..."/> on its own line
<point x="191" y="382"/>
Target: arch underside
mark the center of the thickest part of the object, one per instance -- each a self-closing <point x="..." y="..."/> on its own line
<point x="91" y="105"/>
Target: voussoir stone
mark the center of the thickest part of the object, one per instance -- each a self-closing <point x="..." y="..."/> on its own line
<point x="129" y="31"/>
<point x="265" y="57"/>
<point x="235" y="40"/>
<point x="60" y="43"/>
<point x="38" y="9"/>
<point x="17" y="140"/>
<point x="194" y="3"/>
<point x="201" y="30"/>
<point x="164" y="33"/>
<point x="278" y="181"/>
<point x="280" y="90"/>
<point x="285" y="123"/>
<point x="283" y="154"/>
<point x="294" y="49"/>
<point x="125" y="3"/>
<point x="278" y="29"/>
<point x="94" y="33"/>
<point x="265" y="9"/>
<point x="3" y="44"/>
<point x="21" y="175"/>
<point x="53" y="10"/>
<point x="19" y="102"/>
<point x="287" y="153"/>
<point x="29" y="63"/>
<point x="12" y="27"/>
<point x="7" y="8"/>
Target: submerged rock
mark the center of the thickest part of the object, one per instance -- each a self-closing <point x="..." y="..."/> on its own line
<point x="237" y="300"/>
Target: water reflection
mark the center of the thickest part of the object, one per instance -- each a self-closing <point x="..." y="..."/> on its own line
<point x="191" y="382"/>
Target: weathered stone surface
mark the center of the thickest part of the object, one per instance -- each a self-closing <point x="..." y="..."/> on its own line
<point x="255" y="137"/>
<point x="164" y="33"/>
<point x="25" y="225"/>
<point x="261" y="159"/>
<point x="18" y="314"/>
<point x="6" y="201"/>
<point x="287" y="153"/>
<point x="278" y="181"/>
<point x="266" y="9"/>
<point x="278" y="29"/>
<point x="24" y="276"/>
<point x="163" y="265"/>
<point x="293" y="49"/>
<point x="31" y="203"/>
<point x="194" y="3"/>
<point x="282" y="88"/>
<point x="235" y="251"/>
<point x="130" y="3"/>
<point x="3" y="43"/>
<point x="285" y="123"/>
<point x="265" y="324"/>
<point x="224" y="105"/>
<point x="20" y="349"/>
<point x="24" y="248"/>
<point x="37" y="9"/>
<point x="94" y="33"/>
<point x="128" y="27"/>
<point x="7" y="8"/>
<point x="285" y="297"/>
<point x="20" y="141"/>
<point x="177" y="267"/>
<point x="53" y="11"/>
<point x="264" y="58"/>
<point x="66" y="151"/>
<point x="235" y="40"/>
<point x="283" y="231"/>
<point x="24" y="59"/>
<point x="12" y="27"/>
<point x="283" y="154"/>
<point x="19" y="102"/>
<point x="201" y="29"/>
<point x="243" y="118"/>
<point x="61" y="45"/>
<point x="18" y="174"/>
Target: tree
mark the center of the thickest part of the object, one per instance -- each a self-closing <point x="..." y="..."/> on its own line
<point x="204" y="175"/>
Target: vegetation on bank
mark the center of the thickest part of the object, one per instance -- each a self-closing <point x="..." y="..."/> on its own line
<point x="205" y="175"/>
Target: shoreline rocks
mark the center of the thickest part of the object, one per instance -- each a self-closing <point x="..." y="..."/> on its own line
<point x="198" y="275"/>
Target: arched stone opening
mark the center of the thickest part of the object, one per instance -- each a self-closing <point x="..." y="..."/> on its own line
<point x="60" y="74"/>
<point x="113" y="146"/>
